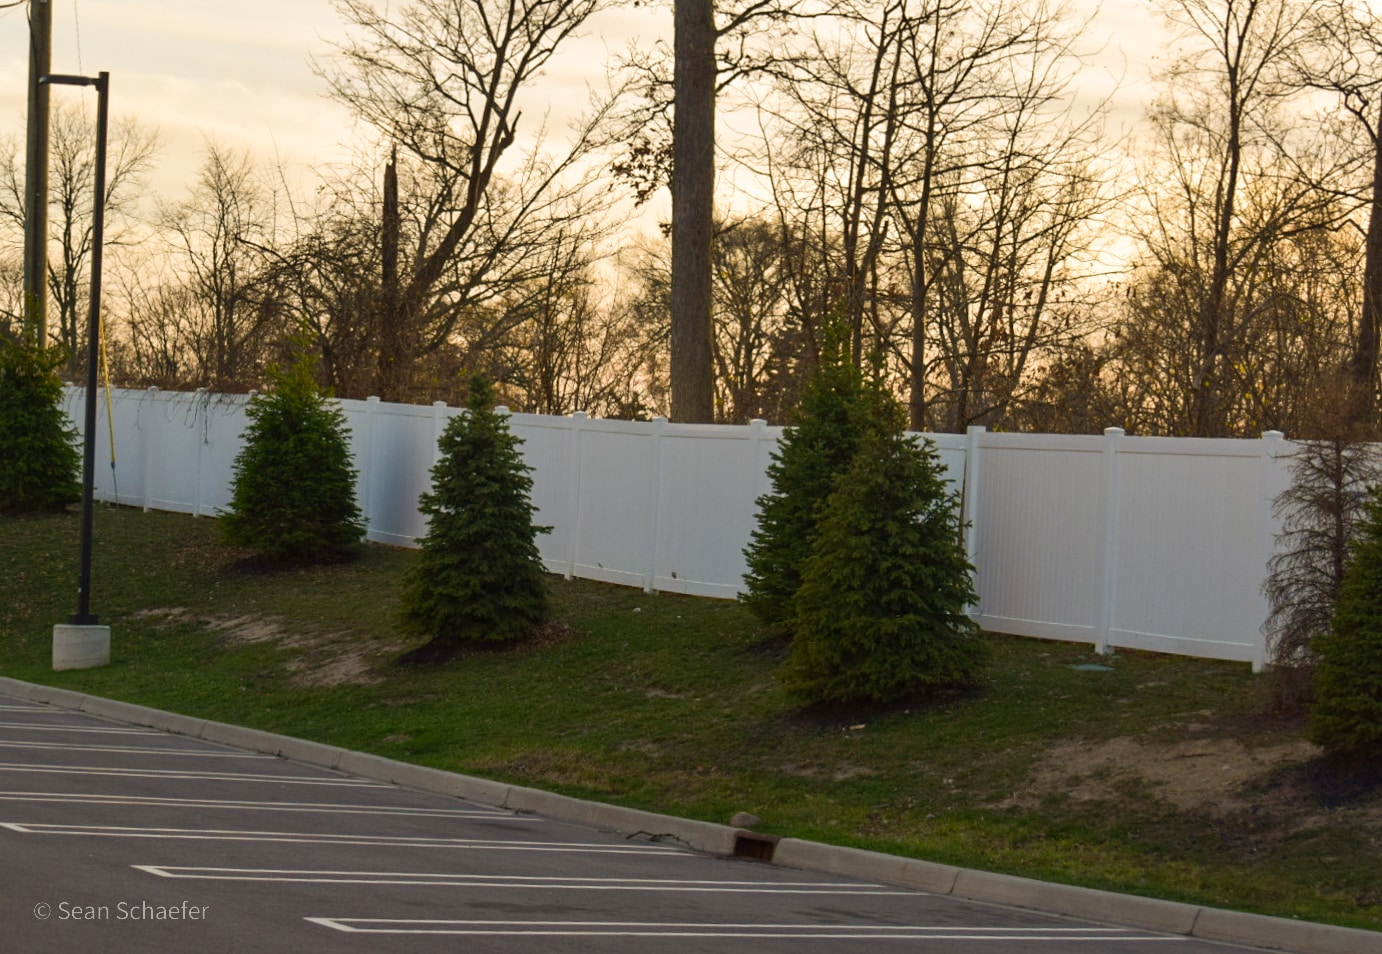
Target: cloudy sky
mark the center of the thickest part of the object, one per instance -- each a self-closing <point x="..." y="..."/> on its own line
<point x="238" y="73"/>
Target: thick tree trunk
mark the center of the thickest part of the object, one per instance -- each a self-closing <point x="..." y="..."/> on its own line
<point x="693" y="184"/>
<point x="1362" y="367"/>
<point x="392" y="369"/>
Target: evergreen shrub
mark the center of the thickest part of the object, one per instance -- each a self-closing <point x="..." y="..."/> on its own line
<point x="479" y="576"/>
<point x="819" y="444"/>
<point x="1346" y="718"/>
<point x="293" y="483"/>
<point x="40" y="465"/>
<point x="881" y="612"/>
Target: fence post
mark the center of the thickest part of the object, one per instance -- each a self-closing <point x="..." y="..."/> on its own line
<point x="365" y="463"/>
<point x="438" y="425"/>
<point x="148" y="442"/>
<point x="970" y="510"/>
<point x="199" y="410"/>
<point x="1274" y="478"/>
<point x="1113" y="440"/>
<point x="758" y="434"/>
<point x="573" y="505"/>
<point x="650" y="576"/>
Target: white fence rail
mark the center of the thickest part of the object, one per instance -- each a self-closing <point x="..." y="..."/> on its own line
<point x="1141" y="543"/>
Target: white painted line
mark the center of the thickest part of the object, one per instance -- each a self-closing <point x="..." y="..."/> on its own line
<point x="313" y="838"/>
<point x="51" y="727"/>
<point x="25" y="709"/>
<point x="324" y="807"/>
<point x="861" y="932"/>
<point x="340" y="780"/>
<point x="131" y="750"/>
<point x="551" y="882"/>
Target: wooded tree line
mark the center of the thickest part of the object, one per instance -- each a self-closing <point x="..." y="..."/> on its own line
<point x="933" y="171"/>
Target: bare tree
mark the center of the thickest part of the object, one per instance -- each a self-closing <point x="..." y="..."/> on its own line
<point x="1219" y="124"/>
<point x="158" y="345"/>
<point x="72" y="143"/>
<point x="1293" y="300"/>
<point x="1343" y="55"/>
<point x="937" y="141"/>
<point x="843" y="112"/>
<point x="572" y="343"/>
<point x="1319" y="513"/>
<point x="757" y="347"/>
<point x="444" y="81"/>
<point x="218" y="236"/>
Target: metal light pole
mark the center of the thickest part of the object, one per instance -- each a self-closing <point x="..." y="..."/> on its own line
<point x="83" y="642"/>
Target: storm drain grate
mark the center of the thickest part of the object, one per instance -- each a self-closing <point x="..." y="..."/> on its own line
<point x="753" y="846"/>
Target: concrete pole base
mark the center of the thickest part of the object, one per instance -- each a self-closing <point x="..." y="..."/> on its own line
<point x="80" y="647"/>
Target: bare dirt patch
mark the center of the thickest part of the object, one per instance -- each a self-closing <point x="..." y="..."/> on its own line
<point x="325" y="659"/>
<point x="1273" y="787"/>
<point x="1206" y="774"/>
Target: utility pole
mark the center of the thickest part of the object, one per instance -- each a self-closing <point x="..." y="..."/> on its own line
<point x="36" y="174"/>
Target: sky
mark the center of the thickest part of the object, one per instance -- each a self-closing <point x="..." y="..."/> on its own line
<point x="239" y="73"/>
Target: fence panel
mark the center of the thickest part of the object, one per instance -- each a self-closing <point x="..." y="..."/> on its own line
<point x="615" y="497"/>
<point x="396" y="445"/>
<point x="1189" y="563"/>
<point x="705" y="507"/>
<point x="548" y="447"/>
<point x="1148" y="543"/>
<point x="1039" y="535"/>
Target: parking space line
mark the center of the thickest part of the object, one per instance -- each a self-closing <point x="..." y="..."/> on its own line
<point x="545" y="882"/>
<point x="313" y="838"/>
<point x="179" y="774"/>
<point x="229" y="804"/>
<point x="53" y="727"/>
<point x="835" y="932"/>
<point x="130" y="750"/>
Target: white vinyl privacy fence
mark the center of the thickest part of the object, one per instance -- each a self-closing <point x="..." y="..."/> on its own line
<point x="1135" y="542"/>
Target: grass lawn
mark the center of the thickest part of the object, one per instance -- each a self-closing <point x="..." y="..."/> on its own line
<point x="1147" y="774"/>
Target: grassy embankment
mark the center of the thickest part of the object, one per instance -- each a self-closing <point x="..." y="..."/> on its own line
<point x="1159" y="776"/>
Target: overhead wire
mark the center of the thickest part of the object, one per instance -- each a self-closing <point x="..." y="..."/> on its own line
<point x="77" y="31"/>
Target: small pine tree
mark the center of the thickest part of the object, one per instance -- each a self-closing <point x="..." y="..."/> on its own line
<point x="814" y="450"/>
<point x="40" y="466"/>
<point x="1346" y="718"/>
<point x="479" y="576"/>
<point x="293" y="486"/>
<point x="881" y="612"/>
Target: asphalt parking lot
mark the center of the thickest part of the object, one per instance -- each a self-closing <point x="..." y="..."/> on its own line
<point x="119" y="838"/>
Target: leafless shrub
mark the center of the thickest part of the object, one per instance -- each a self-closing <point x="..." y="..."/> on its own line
<point x="1318" y="513"/>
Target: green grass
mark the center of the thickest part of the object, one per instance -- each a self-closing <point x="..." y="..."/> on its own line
<point x="671" y="704"/>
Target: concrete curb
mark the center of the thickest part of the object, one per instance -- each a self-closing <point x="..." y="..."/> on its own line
<point x="1169" y="917"/>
